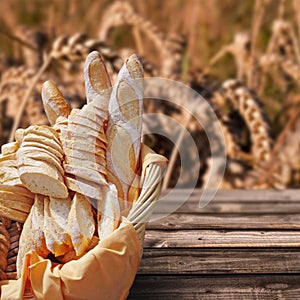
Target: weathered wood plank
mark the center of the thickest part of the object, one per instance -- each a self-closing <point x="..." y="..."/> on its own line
<point x="220" y="239"/>
<point x="220" y="261"/>
<point x="218" y="287"/>
<point x="290" y="195"/>
<point x="226" y="221"/>
<point x="233" y="201"/>
<point x="216" y="207"/>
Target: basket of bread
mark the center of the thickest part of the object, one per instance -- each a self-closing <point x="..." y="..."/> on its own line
<point x="75" y="196"/>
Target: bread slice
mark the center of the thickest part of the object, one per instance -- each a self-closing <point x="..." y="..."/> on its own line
<point x="44" y="131"/>
<point x="98" y="110"/>
<point x="10" y="148"/>
<point x="89" y="113"/>
<point x="83" y="155"/>
<point x="108" y="212"/>
<point x="84" y="187"/>
<point x="54" y="103"/>
<point x="8" y="173"/>
<point x="14" y="182"/>
<point x="83" y="133"/>
<point x="81" y="223"/>
<point x="38" y="146"/>
<point x="27" y="154"/>
<point x="37" y="225"/>
<point x="8" y="163"/>
<point x="43" y="140"/>
<point x="8" y="195"/>
<point x="84" y="163"/>
<point x="94" y="148"/>
<point x="83" y="121"/>
<point x="19" y="135"/>
<point x="79" y="137"/>
<point x="57" y="239"/>
<point x="13" y="214"/>
<point x="8" y="157"/>
<point x="85" y="129"/>
<point x="95" y="115"/>
<point x="16" y="204"/>
<point x="17" y="190"/>
<point x="84" y="173"/>
<point x="43" y="179"/>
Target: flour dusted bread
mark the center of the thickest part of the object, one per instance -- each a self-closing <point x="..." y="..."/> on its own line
<point x="37" y="226"/>
<point x="124" y="126"/>
<point x="57" y="238"/>
<point x="97" y="81"/>
<point x="108" y="212"/>
<point x="81" y="223"/>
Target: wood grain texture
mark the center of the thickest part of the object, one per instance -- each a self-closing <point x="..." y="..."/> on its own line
<point x="226" y="221"/>
<point x="215" y="287"/>
<point x="220" y="239"/>
<point x="242" y="245"/>
<point x="220" y="261"/>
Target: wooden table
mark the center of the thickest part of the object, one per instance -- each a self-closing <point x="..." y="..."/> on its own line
<point x="242" y="245"/>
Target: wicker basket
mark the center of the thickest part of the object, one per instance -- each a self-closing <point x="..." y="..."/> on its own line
<point x="138" y="216"/>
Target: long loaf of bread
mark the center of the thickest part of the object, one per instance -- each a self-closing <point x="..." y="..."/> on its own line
<point x="124" y="128"/>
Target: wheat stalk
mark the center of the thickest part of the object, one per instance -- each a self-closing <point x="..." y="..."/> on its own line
<point x="251" y="109"/>
<point x="169" y="48"/>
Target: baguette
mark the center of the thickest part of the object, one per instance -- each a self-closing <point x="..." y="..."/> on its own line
<point x="81" y="224"/>
<point x="37" y="225"/>
<point x="108" y="212"/>
<point x="97" y="81"/>
<point x="54" y="103"/>
<point x="57" y="239"/>
<point x="124" y="126"/>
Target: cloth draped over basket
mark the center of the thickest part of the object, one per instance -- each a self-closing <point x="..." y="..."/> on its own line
<point x="108" y="270"/>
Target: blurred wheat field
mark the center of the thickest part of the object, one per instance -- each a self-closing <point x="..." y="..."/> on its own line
<point x="242" y="56"/>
